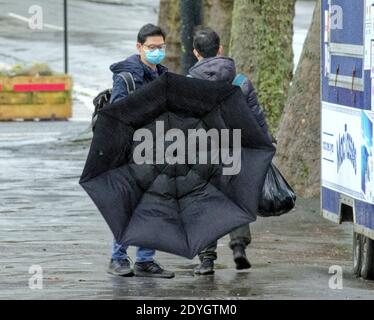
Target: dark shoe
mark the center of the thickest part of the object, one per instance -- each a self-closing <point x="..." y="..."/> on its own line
<point x="240" y="258"/>
<point x="205" y="267"/>
<point x="151" y="269"/>
<point x="120" y="268"/>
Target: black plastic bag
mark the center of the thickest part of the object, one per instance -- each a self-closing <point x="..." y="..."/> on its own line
<point x="277" y="196"/>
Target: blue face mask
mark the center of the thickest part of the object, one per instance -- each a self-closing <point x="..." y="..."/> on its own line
<point x="155" y="56"/>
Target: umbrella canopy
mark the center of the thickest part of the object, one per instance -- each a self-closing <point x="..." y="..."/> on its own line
<point x="176" y="207"/>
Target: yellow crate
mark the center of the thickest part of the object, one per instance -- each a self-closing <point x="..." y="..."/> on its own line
<point x="8" y="82"/>
<point x="34" y="111"/>
<point x="60" y="97"/>
<point x="10" y="98"/>
<point x="35" y="104"/>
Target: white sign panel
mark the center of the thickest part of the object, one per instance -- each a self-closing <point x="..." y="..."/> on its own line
<point x="347" y="151"/>
<point x="372" y="59"/>
<point x="372" y="92"/>
<point x="368" y="33"/>
<point x="367" y="168"/>
<point x="341" y="149"/>
<point x="327" y="26"/>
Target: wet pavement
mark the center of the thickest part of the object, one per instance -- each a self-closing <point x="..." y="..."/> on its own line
<point x="46" y="219"/>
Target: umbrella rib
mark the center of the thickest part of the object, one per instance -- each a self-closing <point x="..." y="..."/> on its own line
<point x="177" y="200"/>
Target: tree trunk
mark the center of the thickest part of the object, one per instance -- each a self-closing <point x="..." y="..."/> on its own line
<point x="298" y="151"/>
<point x="261" y="45"/>
<point x="217" y="14"/>
<point x="245" y="15"/>
<point x="169" y="20"/>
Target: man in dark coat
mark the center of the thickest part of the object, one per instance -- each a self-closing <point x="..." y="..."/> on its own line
<point x="144" y="68"/>
<point x="213" y="66"/>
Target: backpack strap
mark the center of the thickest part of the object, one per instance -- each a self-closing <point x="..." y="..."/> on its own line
<point x="241" y="81"/>
<point x="129" y="80"/>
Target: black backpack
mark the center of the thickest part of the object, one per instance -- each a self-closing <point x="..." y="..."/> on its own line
<point x="103" y="98"/>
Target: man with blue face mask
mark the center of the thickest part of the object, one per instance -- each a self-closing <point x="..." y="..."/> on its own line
<point x="144" y="68"/>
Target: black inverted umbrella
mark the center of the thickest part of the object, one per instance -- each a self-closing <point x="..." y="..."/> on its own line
<point x="175" y="207"/>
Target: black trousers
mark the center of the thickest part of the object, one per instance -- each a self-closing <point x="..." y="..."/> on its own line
<point x="240" y="236"/>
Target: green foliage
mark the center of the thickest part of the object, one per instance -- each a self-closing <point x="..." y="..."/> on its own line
<point x="36" y="68"/>
<point x="274" y="56"/>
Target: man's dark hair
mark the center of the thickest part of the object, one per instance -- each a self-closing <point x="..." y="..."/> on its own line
<point x="149" y="30"/>
<point x="206" y="42"/>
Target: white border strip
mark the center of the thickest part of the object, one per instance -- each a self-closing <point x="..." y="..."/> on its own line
<point x="331" y="216"/>
<point x="364" y="230"/>
<point x="346" y="50"/>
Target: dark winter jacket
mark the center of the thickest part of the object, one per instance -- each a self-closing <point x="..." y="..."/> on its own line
<point x="141" y="73"/>
<point x="223" y="69"/>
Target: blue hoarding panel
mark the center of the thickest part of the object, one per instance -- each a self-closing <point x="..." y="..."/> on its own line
<point x="346" y="28"/>
<point x="345" y="66"/>
<point x="330" y="200"/>
<point x="367" y="91"/>
<point x="346" y="21"/>
<point x="364" y="214"/>
<point x="344" y="97"/>
<point x="343" y="54"/>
